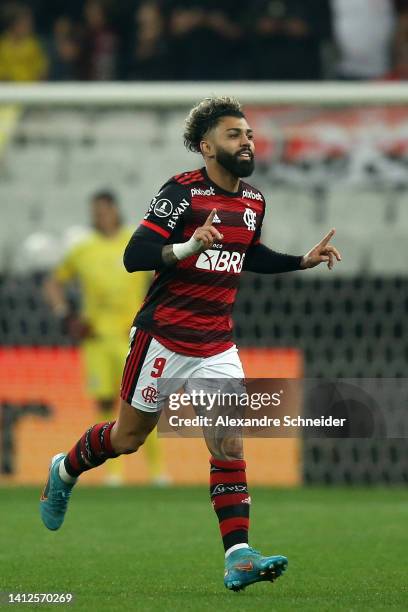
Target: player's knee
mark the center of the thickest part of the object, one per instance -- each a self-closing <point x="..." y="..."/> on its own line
<point x="228" y="449"/>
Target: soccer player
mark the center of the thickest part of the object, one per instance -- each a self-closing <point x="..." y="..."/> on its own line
<point x="109" y="298"/>
<point x="201" y="230"/>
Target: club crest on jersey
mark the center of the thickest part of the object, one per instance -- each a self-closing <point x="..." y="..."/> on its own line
<point x="220" y="261"/>
<point x="250" y="219"/>
<point x="163" y="208"/>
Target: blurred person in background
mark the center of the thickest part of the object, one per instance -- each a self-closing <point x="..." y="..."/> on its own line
<point x="204" y="41"/>
<point x="400" y="67"/>
<point x="228" y="22"/>
<point x="363" y="34"/>
<point x="64" y="51"/>
<point x="22" y="57"/>
<point x="288" y="39"/>
<point x="109" y="298"/>
<point x="148" y="54"/>
<point x="99" y="43"/>
<point x="46" y="13"/>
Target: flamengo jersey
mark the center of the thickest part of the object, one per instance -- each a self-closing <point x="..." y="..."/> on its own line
<point x="189" y="305"/>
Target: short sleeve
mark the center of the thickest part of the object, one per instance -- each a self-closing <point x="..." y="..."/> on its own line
<point x="167" y="208"/>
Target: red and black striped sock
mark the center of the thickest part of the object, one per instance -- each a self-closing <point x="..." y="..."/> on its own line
<point x="93" y="449"/>
<point x="231" y="500"/>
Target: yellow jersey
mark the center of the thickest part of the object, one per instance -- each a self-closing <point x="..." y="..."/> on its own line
<point x="110" y="295"/>
<point x="22" y="60"/>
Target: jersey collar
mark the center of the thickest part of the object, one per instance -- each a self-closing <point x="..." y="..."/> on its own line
<point x="217" y="189"/>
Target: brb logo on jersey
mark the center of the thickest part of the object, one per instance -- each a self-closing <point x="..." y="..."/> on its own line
<point x="220" y="261"/>
<point x="250" y="219"/>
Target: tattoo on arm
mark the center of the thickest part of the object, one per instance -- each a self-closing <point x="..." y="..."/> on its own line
<point x="168" y="255"/>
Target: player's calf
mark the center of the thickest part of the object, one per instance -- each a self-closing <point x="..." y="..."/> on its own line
<point x="228" y="448"/>
<point x="132" y="428"/>
<point x="92" y="450"/>
<point x="128" y="443"/>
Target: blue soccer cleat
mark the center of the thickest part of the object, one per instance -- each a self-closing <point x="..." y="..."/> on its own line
<point x="55" y="497"/>
<point x="246" y="566"/>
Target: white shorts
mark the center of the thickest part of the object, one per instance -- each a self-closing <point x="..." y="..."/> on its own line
<point x="148" y="361"/>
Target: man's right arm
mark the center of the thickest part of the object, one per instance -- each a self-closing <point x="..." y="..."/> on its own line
<point x="55" y="284"/>
<point x="55" y="296"/>
<point x="149" y="248"/>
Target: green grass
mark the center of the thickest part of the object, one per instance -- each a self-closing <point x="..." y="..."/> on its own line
<point x="151" y="549"/>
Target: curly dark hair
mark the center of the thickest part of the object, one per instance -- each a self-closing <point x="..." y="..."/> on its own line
<point x="205" y="115"/>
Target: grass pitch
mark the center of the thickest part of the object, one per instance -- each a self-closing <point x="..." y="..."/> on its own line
<point x="159" y="549"/>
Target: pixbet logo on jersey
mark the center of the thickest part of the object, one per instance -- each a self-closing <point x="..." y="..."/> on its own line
<point x="195" y="191"/>
<point x="220" y="261"/>
<point x="251" y="195"/>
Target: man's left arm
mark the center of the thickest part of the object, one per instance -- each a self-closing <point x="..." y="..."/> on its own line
<point x="259" y="258"/>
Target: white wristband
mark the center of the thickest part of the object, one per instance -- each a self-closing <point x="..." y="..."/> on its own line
<point x="185" y="249"/>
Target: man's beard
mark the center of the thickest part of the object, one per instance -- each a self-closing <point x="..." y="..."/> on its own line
<point x="234" y="165"/>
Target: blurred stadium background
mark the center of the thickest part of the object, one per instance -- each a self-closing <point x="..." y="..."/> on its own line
<point x="329" y="153"/>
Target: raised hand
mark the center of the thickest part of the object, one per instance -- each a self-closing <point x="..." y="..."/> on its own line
<point x="207" y="234"/>
<point x="323" y="252"/>
<point x="202" y="239"/>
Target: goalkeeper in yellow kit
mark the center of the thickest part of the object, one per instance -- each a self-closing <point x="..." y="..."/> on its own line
<point x="110" y="296"/>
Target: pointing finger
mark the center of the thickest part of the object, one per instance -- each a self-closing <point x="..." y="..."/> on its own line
<point x="327" y="238"/>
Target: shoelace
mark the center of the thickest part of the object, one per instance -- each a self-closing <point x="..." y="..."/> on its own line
<point x="248" y="551"/>
<point x="252" y="550"/>
<point x="60" y="499"/>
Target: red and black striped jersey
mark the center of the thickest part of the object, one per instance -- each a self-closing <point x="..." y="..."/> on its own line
<point x="189" y="305"/>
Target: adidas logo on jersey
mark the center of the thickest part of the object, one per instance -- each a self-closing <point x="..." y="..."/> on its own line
<point x="195" y="191"/>
<point x="216" y="219"/>
<point x="251" y="195"/>
<point x="220" y="261"/>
